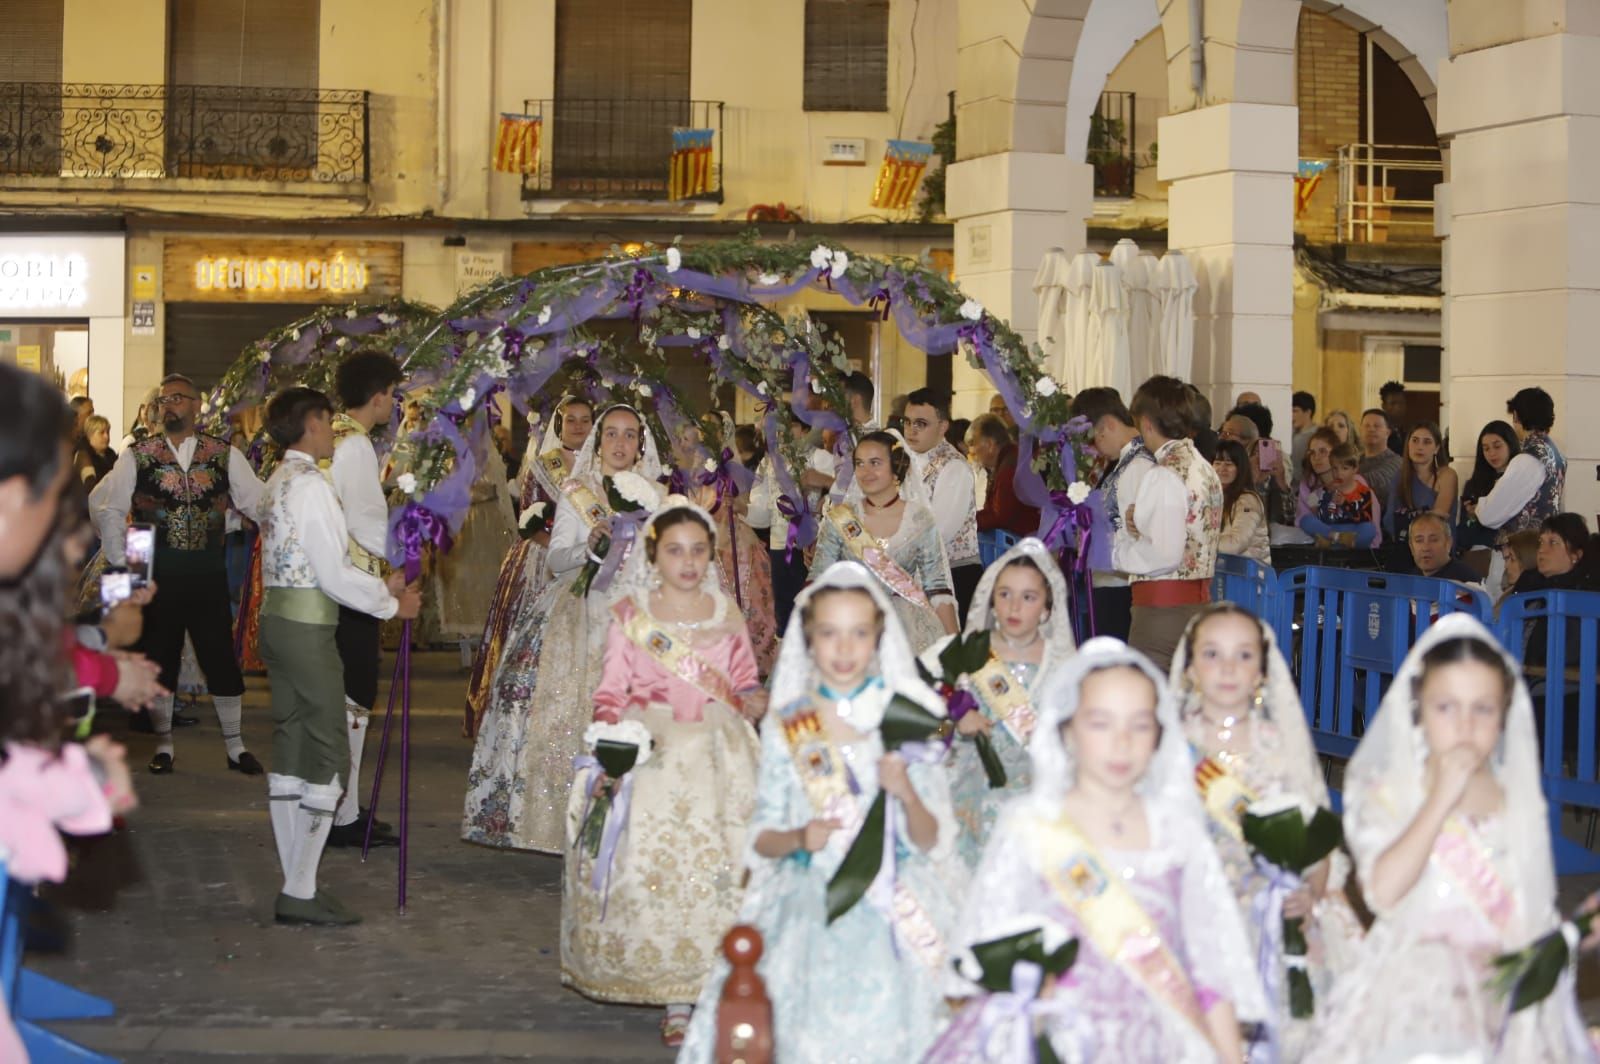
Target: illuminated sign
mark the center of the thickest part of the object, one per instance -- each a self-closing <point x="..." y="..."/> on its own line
<point x="336" y="276"/>
<point x="43" y="282"/>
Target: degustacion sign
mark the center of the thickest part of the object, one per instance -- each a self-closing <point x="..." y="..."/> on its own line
<point x="281" y="271"/>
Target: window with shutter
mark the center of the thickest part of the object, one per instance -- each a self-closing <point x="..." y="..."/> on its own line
<point x="847" y="55"/>
<point x="622" y="85"/>
<point x="241" y="89"/>
<point x="30" y="86"/>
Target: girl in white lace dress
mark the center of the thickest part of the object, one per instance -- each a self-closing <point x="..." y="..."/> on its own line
<point x="1110" y="845"/>
<point x="1446" y="818"/>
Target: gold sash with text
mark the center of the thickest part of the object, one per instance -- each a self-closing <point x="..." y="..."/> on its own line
<point x="870" y="553"/>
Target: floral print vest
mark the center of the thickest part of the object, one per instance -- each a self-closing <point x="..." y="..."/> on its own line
<point x="1202" y="526"/>
<point x="284" y="562"/>
<point x="965" y="546"/>
<point x="1546" y="502"/>
<point x="189" y="508"/>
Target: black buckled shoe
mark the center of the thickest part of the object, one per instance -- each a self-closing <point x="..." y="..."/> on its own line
<point x="314" y="911"/>
<point x="246" y="764"/>
<point x="161" y="764"/>
<point x="353" y="834"/>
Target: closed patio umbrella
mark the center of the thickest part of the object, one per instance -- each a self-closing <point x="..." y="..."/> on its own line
<point x="1050" y="286"/>
<point x="1176" y="290"/>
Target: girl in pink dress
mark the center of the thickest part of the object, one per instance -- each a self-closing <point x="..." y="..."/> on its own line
<point x="644" y="926"/>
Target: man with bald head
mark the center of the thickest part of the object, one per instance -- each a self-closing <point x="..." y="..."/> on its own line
<point x="1247" y="397"/>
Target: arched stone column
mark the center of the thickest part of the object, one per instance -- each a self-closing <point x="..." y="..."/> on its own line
<point x="1012" y="191"/>
<point x="1519" y="100"/>
<point x="1231" y="157"/>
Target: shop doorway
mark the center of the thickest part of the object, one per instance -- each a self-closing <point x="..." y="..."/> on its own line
<point x="59" y="351"/>
<point x="204" y="339"/>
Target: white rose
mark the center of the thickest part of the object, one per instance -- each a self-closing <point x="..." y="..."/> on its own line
<point x="500" y="369"/>
<point x="1047" y="386"/>
<point x="387" y="318"/>
<point x="692" y="333"/>
<point x="674" y="260"/>
<point x="350" y="313"/>
<point x="816" y="386"/>
<point x="636" y="489"/>
<point x="408" y="483"/>
<point x="1273" y="804"/>
<point x="1052" y="935"/>
<point x="821" y="256"/>
<point x="295" y="335"/>
<point x="1077" y="491"/>
<point x="840" y="261"/>
<point x="544" y="315"/>
<point x="342" y="342"/>
<point x="469" y="397"/>
<point x="632" y="732"/>
<point x="724" y="342"/>
<point x="769" y="279"/>
<point x="264" y="355"/>
<point x="643" y="389"/>
<point x="972" y="310"/>
<point x="710" y="465"/>
<point x="535" y="511"/>
<point x="761" y="386"/>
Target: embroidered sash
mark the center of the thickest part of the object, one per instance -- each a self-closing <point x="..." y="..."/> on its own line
<point x="1112" y="918"/>
<point x="866" y="550"/>
<point x="1224" y="795"/>
<point x="1005" y="698"/>
<point x="553" y="464"/>
<point x="587" y="503"/>
<point x="1465" y="861"/>
<point x="832" y="791"/>
<point x="676" y="655"/>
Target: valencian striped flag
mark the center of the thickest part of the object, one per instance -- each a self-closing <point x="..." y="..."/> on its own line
<point x="516" y="148"/>
<point x="691" y="163"/>
<point x="903" y="163"/>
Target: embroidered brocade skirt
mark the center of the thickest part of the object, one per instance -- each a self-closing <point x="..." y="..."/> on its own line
<point x="677" y="877"/>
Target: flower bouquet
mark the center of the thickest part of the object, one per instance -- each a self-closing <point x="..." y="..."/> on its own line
<point x="628" y="494"/>
<point x="1290" y="836"/>
<point x="964" y="656"/>
<point x="1527" y="976"/>
<point x="904" y="723"/>
<point x="1015" y="968"/>
<point x="535" y="519"/>
<point x="614" y="751"/>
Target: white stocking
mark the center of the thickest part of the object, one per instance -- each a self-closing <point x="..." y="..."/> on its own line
<point x="350" y="804"/>
<point x="313" y="821"/>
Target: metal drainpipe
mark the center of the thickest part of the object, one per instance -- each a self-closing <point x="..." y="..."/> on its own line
<point x="442" y="147"/>
<point x="1197" y="55"/>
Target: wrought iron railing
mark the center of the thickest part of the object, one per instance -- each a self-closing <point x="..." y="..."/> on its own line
<point x="617" y="149"/>
<point x="205" y="131"/>
<point x="1386" y="191"/>
<point x="1110" y="147"/>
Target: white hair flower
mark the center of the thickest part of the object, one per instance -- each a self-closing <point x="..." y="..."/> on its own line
<point x="972" y="310"/>
<point x="408" y="483"/>
<point x="674" y="260"/>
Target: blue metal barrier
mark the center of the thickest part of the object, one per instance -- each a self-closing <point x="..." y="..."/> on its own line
<point x="1348" y="633"/>
<point x="992" y="544"/>
<point x="1254" y="586"/>
<point x="33" y="998"/>
<point x="1568" y="677"/>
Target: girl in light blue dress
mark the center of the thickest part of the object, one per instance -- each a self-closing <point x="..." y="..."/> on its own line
<point x="1021" y="601"/>
<point x="866" y="987"/>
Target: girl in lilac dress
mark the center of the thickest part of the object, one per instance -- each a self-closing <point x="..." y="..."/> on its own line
<point x="1111" y="846"/>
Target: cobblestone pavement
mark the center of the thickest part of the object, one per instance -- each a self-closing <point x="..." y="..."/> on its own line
<point x="172" y="920"/>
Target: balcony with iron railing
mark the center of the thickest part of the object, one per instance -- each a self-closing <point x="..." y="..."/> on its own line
<point x="167" y="132"/>
<point x="617" y="149"/>
<point x="1110" y="147"/>
<point x="1386" y="192"/>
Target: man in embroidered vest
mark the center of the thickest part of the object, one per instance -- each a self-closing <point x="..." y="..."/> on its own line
<point x="1173" y="524"/>
<point x="1116" y="437"/>
<point x="183" y="481"/>
<point x="308" y="574"/>
<point x="1530" y="489"/>
<point x="952" y="492"/>
<point x="365" y="382"/>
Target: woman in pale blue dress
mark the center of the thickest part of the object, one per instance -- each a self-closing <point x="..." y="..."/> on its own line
<point x="1021" y="601"/>
<point x="887" y="503"/>
<point x="866" y="987"/>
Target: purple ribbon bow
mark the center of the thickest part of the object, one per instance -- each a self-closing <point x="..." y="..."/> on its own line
<point x="417" y="526"/>
<point x="1014" y="1013"/>
<point x="624" y="530"/>
<point x="1267" y="912"/>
